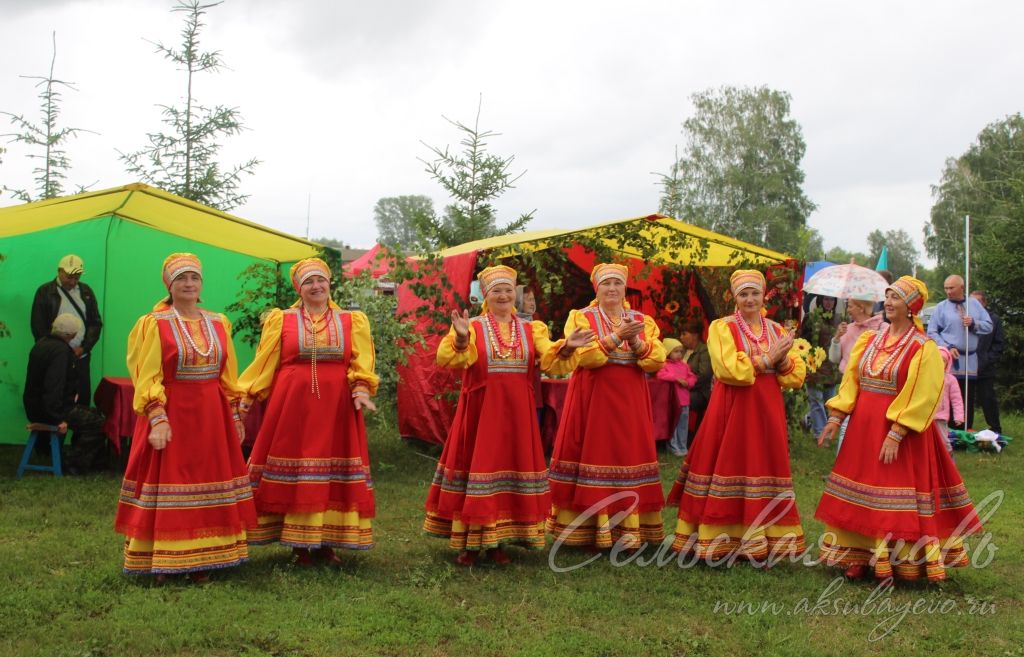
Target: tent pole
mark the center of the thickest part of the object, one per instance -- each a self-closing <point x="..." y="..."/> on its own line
<point x="967" y="313"/>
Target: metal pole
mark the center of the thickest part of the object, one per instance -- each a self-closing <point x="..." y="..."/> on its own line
<point x="967" y="313"/>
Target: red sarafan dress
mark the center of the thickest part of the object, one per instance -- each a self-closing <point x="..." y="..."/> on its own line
<point x="490" y="487"/>
<point x="605" y="481"/>
<point x="310" y="467"/>
<point x="184" y="508"/>
<point x="735" y="488"/>
<point x="905" y="519"/>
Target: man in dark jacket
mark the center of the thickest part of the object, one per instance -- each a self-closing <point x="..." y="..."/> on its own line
<point x="67" y="294"/>
<point x="990" y="352"/>
<point x="50" y="391"/>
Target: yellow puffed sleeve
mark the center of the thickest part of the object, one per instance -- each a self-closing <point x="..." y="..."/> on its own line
<point x="256" y="380"/>
<point x="362" y="369"/>
<point x="731" y="366"/>
<point x="592" y="355"/>
<point x="547" y="351"/>
<point x="145" y="365"/>
<point x="916" y="403"/>
<point x="449" y="356"/>
<point x="846" y="398"/>
<point x="229" y="373"/>
<point x="654" y="359"/>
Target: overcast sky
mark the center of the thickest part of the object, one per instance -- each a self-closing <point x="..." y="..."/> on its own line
<point x="589" y="96"/>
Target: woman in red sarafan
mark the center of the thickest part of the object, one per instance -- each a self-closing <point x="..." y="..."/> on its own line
<point x="894" y="504"/>
<point x="309" y="465"/>
<point x="605" y="482"/>
<point x="185" y="501"/>
<point x="735" y="489"/>
<point x="490" y="488"/>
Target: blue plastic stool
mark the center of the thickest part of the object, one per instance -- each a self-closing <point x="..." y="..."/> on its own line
<point x="35" y="431"/>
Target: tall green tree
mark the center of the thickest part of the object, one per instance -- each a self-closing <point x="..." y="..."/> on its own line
<point x="740" y="173"/>
<point x="184" y="161"/>
<point x="987" y="183"/>
<point x="841" y="256"/>
<point x="473" y="178"/>
<point x="46" y="137"/>
<point x="403" y="221"/>
<point x="903" y="254"/>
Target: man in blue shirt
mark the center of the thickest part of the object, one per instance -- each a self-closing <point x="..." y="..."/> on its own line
<point x="956" y="324"/>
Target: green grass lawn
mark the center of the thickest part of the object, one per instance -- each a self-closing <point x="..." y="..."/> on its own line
<point x="62" y="591"/>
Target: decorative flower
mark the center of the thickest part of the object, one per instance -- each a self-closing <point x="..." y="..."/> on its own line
<point x="802" y="348"/>
<point x="672" y="307"/>
<point x="820" y="355"/>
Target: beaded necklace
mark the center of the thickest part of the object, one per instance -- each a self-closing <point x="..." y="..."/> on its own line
<point x="494" y="330"/>
<point x="311" y="324"/>
<point x="755" y="342"/>
<point x="608" y="320"/>
<point x="879" y="344"/>
<point x="205" y="326"/>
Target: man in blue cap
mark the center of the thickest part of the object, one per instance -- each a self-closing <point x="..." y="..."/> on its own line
<point x="67" y="294"/>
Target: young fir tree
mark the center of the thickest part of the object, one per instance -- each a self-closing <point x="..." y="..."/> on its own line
<point x="474" y="179"/>
<point x="46" y="137"/>
<point x="184" y="162"/>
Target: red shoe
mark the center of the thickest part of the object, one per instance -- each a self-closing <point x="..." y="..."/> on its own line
<point x="302" y="557"/>
<point x="466" y="558"/>
<point x="199" y="578"/>
<point x="859" y="571"/>
<point x="499" y="556"/>
<point x="326" y="554"/>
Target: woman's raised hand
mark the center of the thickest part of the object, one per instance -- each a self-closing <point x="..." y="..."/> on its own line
<point x="580" y="338"/>
<point x="461" y="323"/>
<point x="841" y="330"/>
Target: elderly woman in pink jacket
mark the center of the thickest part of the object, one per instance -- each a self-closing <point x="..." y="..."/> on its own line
<point x="846" y="336"/>
<point x="951" y="403"/>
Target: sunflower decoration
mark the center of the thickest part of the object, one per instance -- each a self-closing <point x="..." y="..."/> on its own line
<point x="803" y="349"/>
<point x="820" y="356"/>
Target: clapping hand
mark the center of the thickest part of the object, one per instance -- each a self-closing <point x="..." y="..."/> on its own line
<point x="629" y="329"/>
<point x="580" y="338"/>
<point x="780" y="349"/>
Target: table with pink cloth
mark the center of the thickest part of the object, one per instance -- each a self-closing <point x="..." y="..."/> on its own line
<point x="114" y="396"/>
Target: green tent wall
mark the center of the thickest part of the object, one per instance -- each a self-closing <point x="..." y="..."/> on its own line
<point x="123" y="260"/>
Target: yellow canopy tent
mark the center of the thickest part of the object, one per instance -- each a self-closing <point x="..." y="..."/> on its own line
<point x="423" y="410"/>
<point x="123" y="235"/>
<point x="721" y="251"/>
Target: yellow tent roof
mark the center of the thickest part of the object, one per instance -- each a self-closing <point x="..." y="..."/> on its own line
<point x="160" y="210"/>
<point x="720" y="249"/>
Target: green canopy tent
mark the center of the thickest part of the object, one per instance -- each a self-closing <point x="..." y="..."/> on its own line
<point x="123" y="235"/>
